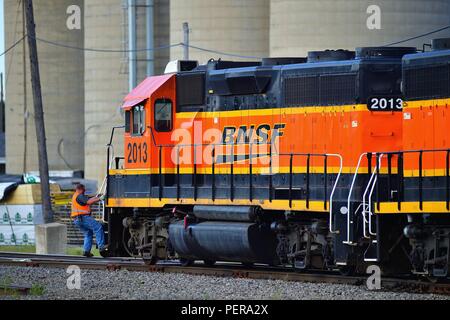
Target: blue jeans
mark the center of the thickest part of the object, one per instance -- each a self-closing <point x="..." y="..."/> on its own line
<point x="89" y="226"/>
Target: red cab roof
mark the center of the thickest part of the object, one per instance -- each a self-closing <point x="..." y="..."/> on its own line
<point x="145" y="90"/>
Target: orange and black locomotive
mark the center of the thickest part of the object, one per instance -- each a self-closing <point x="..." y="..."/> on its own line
<point x="335" y="161"/>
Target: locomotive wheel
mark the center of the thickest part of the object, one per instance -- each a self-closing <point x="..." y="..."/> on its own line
<point x="186" y="262"/>
<point x="209" y="263"/>
<point x="347" y="270"/>
<point x="433" y="279"/>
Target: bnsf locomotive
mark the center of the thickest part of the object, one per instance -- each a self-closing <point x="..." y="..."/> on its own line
<point x="335" y="161"/>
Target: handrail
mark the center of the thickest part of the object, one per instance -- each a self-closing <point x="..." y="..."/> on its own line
<point x="371" y="186"/>
<point x="271" y="155"/>
<point x="108" y="161"/>
<point x="349" y="242"/>
<point x="400" y="169"/>
<point x="334" y="189"/>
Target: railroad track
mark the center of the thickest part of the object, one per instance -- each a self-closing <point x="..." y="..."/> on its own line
<point x="221" y="270"/>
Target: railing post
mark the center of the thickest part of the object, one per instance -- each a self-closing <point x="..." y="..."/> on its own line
<point x="400" y="180"/>
<point x="107" y="171"/>
<point x="291" y="159"/>
<point x="270" y="173"/>
<point x="194" y="177"/>
<point x="389" y="175"/>
<point x="325" y="177"/>
<point x="232" y="173"/>
<point x="308" y="161"/>
<point x="369" y="163"/>
<point x="160" y="174"/>
<point x="377" y="180"/>
<point x="178" y="173"/>
<point x="420" y="180"/>
<point x="251" y="172"/>
<point x="213" y="171"/>
<point x="447" y="179"/>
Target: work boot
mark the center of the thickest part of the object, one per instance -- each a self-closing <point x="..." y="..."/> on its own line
<point x="104" y="252"/>
<point x="87" y="254"/>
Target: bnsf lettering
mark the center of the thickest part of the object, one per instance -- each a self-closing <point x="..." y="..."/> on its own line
<point x="245" y="134"/>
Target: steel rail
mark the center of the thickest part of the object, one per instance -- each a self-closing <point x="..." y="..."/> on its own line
<point x="232" y="270"/>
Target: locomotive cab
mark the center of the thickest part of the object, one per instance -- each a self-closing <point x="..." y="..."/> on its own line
<point x="149" y="116"/>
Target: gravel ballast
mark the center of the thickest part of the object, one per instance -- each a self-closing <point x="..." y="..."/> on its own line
<point x="122" y="284"/>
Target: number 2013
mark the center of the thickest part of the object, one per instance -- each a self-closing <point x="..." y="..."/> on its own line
<point x="386" y="104"/>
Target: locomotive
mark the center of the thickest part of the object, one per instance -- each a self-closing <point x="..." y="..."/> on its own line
<point x="336" y="161"/>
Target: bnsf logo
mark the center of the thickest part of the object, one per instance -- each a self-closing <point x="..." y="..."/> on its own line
<point x="263" y="134"/>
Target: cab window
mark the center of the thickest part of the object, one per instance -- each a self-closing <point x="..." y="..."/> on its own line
<point x="138" y="120"/>
<point x="163" y="115"/>
<point x="128" y="121"/>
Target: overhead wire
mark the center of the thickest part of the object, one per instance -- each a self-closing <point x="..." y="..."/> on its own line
<point x="57" y="44"/>
<point x="418" y="36"/>
<point x="13" y="46"/>
<point x="62" y="45"/>
<point x="221" y="52"/>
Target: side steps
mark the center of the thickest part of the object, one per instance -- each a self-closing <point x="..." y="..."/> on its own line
<point x="372" y="252"/>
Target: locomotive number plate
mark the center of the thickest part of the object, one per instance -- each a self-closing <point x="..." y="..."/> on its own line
<point x="137" y="153"/>
<point x="385" y="104"/>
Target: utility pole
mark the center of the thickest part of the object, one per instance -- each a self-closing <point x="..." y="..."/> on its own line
<point x="2" y="106"/>
<point x="25" y="110"/>
<point x="38" y="113"/>
<point x="132" y="59"/>
<point x="186" y="41"/>
<point x="150" y="4"/>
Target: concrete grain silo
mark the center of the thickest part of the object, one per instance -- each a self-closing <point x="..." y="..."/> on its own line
<point x="106" y="80"/>
<point x="232" y="26"/>
<point x="62" y="79"/>
<point x="299" y="26"/>
<point x="108" y="74"/>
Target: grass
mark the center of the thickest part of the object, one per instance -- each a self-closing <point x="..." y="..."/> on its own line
<point x="5" y="290"/>
<point x="21" y="249"/>
<point x="78" y="251"/>
<point x="72" y="251"/>
<point x="37" y="290"/>
<point x="6" y="282"/>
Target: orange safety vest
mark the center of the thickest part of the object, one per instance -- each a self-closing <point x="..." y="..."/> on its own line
<point x="77" y="209"/>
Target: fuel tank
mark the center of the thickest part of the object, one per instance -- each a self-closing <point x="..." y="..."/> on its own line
<point x="226" y="213"/>
<point x="224" y="241"/>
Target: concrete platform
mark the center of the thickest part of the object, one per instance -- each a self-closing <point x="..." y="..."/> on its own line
<point x="51" y="238"/>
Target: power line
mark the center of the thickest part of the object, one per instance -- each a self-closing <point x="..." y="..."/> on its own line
<point x="13" y="46"/>
<point x="105" y="50"/>
<point x="136" y="50"/>
<point x="221" y="53"/>
<point x="417" y="37"/>
<point x="183" y="45"/>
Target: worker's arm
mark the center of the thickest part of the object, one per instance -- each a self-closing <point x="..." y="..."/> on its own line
<point x="93" y="200"/>
<point x="85" y="200"/>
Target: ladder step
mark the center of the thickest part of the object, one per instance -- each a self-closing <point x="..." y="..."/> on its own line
<point x="371" y="253"/>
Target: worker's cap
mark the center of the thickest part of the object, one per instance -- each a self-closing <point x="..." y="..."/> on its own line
<point x="80" y="187"/>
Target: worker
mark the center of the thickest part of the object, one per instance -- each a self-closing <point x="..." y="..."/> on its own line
<point x="81" y="213"/>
